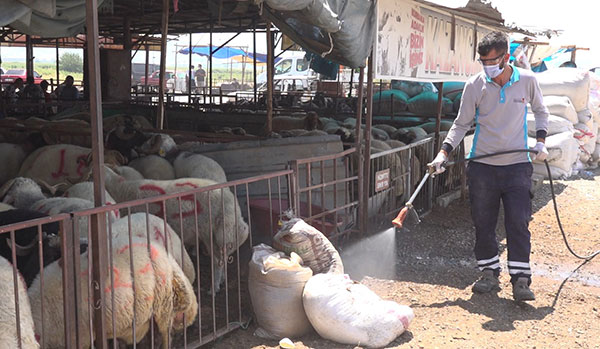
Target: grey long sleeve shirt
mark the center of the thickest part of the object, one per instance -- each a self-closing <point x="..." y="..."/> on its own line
<point x="500" y="116"/>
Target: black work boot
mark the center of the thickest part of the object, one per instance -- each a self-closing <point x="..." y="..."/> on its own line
<point x="487" y="283"/>
<point x="521" y="291"/>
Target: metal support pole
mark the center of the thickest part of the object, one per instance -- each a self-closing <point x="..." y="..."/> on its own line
<point x="270" y="48"/>
<point x="98" y="222"/>
<point x="190" y="76"/>
<point x="57" y="65"/>
<point x="368" y="124"/>
<point x="362" y="221"/>
<point x="28" y="56"/>
<point x="160" y="119"/>
<point x="254" y="63"/>
<point x="146" y="67"/>
<point x="210" y="63"/>
<point x="438" y="119"/>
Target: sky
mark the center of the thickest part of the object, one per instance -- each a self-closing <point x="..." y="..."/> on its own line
<point x="577" y="18"/>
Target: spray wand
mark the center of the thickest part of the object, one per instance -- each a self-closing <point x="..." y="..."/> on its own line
<point x="409" y="206"/>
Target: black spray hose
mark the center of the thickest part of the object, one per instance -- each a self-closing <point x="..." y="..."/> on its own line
<point x="587" y="257"/>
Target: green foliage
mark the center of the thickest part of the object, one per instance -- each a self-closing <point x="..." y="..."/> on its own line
<point x="71" y="62"/>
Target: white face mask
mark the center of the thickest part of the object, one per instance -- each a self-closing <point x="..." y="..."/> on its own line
<point x="493" y="71"/>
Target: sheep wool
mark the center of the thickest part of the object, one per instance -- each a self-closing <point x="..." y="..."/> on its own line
<point x="161" y="290"/>
<point x="11" y="158"/>
<point x="154" y="231"/>
<point x="153" y="167"/>
<point x="8" y="329"/>
<point x="223" y="218"/>
<point x="56" y="163"/>
<point x="191" y="165"/>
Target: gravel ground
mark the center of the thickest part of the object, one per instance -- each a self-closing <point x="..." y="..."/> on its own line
<point x="431" y="268"/>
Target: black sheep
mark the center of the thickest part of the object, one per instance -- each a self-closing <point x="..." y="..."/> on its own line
<point x="26" y="241"/>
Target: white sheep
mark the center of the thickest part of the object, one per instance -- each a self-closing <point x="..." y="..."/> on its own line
<point x="8" y="315"/>
<point x="192" y="165"/>
<point x="129" y="173"/>
<point x="155" y="231"/>
<point x="161" y="290"/>
<point x="55" y="163"/>
<point x="158" y="143"/>
<point x="85" y="190"/>
<point x="228" y="227"/>
<point x="11" y="158"/>
<point x="153" y="167"/>
<point x="5" y="207"/>
<point x="26" y="193"/>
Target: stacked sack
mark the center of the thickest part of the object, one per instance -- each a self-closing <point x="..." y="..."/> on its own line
<point x="417" y="97"/>
<point x="309" y="289"/>
<point x="572" y="124"/>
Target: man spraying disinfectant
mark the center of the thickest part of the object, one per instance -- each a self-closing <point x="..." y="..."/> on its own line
<point x="496" y="101"/>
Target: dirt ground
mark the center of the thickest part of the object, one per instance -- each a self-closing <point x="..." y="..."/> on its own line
<point x="431" y="268"/>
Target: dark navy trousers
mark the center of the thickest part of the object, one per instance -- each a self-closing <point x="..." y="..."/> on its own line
<point x="488" y="186"/>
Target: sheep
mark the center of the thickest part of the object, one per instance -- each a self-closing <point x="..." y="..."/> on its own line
<point x="309" y="122"/>
<point x="57" y="163"/>
<point x="25" y="193"/>
<point x="229" y="228"/>
<point x="8" y="315"/>
<point x="394" y="143"/>
<point x="11" y="158"/>
<point x="314" y="133"/>
<point x="85" y="190"/>
<point x="54" y="206"/>
<point x="387" y="128"/>
<point x="152" y="227"/>
<point x="153" y="167"/>
<point x="192" y="165"/>
<point x="162" y="291"/>
<point x="128" y="172"/>
<point x="159" y="144"/>
<point x="26" y="242"/>
<point x="409" y="134"/>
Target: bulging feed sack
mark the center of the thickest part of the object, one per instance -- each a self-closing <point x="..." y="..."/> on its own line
<point x="310" y="244"/>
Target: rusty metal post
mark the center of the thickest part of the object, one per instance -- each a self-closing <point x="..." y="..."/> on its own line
<point x="269" y="101"/>
<point x="210" y="64"/>
<point x="438" y="119"/>
<point x="362" y="221"/>
<point x="190" y="72"/>
<point x="254" y="63"/>
<point x="367" y="157"/>
<point x="28" y="56"/>
<point x="146" y="67"/>
<point x="98" y="250"/>
<point x="57" y="65"/>
<point x="160" y="115"/>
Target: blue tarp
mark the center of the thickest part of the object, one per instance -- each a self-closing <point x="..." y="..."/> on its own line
<point x="225" y="52"/>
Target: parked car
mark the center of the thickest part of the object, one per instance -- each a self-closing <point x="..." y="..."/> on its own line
<point x="11" y="75"/>
<point x="293" y="65"/>
<point x="154" y="78"/>
<point x="138" y="70"/>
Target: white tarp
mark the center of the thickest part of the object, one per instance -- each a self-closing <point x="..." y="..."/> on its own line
<point x="48" y="18"/>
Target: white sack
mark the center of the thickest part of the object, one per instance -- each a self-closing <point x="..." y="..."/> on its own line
<point x="276" y="282"/>
<point x="557" y="173"/>
<point x="583" y="133"/>
<point x="311" y="245"/>
<point x="556" y="124"/>
<point x="561" y="106"/>
<point x="563" y="152"/>
<point x="573" y="83"/>
<point x="347" y="312"/>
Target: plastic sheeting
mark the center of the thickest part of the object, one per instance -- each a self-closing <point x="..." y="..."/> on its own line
<point x="47" y="19"/>
<point x="342" y="31"/>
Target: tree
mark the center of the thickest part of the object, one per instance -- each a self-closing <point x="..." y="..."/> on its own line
<point x="71" y="62"/>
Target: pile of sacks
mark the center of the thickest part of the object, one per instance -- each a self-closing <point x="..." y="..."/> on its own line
<point x="419" y="98"/>
<point x="301" y="285"/>
<point x="572" y="97"/>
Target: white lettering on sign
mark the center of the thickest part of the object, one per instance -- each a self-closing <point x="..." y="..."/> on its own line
<point x="382" y="180"/>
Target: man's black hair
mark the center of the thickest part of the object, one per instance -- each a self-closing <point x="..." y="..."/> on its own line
<point x="494" y="40"/>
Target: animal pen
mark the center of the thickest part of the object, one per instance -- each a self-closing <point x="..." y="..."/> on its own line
<point x="345" y="194"/>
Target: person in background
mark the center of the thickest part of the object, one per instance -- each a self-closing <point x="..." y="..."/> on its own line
<point x="199" y="75"/>
<point x="47" y="96"/>
<point x="32" y="93"/>
<point x="496" y="100"/>
<point x="13" y="91"/>
<point x="67" y="93"/>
